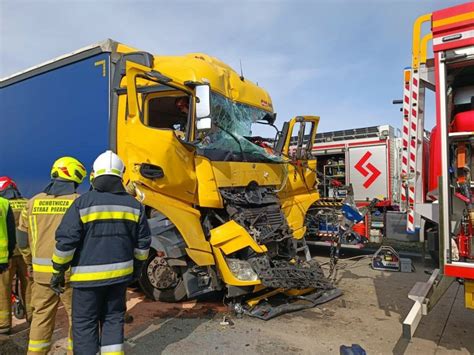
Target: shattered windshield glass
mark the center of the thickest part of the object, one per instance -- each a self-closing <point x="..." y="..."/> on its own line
<point x="230" y="137"/>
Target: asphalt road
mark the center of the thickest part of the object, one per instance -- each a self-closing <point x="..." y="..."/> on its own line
<point x="369" y="313"/>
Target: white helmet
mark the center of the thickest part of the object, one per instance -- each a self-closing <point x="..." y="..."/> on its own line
<point x="108" y="163"/>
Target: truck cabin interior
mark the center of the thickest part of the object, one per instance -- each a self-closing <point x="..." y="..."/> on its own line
<point x="231" y="137"/>
<point x="169" y="112"/>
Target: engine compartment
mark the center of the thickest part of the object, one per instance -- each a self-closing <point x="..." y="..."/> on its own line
<point x="257" y="208"/>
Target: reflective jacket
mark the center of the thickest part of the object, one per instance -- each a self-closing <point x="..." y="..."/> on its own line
<point x="100" y="237"/>
<point x="7" y="231"/>
<point x="40" y="219"/>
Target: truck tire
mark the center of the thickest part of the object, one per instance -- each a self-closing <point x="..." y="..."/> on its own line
<point x="160" y="281"/>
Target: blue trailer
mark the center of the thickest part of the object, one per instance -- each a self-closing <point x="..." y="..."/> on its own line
<point x="59" y="108"/>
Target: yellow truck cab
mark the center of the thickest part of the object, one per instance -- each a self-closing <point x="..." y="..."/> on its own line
<point x="226" y="207"/>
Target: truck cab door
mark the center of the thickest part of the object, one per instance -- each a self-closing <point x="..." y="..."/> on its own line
<point x="154" y="153"/>
<point x="296" y="144"/>
<point x="300" y="191"/>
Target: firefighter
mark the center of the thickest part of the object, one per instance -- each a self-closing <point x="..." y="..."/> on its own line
<point x="105" y="238"/>
<point x="38" y="223"/>
<point x="9" y="190"/>
<point x="7" y="246"/>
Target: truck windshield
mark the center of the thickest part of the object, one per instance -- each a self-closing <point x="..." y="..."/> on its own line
<point x="230" y="138"/>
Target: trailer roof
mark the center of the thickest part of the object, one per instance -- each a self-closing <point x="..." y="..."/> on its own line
<point x="354" y="133"/>
<point x="107" y="45"/>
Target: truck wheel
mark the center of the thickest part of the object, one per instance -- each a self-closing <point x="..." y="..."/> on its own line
<point x="162" y="282"/>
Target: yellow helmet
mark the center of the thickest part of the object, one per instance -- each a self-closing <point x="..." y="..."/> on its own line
<point x="68" y="168"/>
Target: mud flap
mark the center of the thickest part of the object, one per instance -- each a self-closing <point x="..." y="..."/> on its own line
<point x="281" y="303"/>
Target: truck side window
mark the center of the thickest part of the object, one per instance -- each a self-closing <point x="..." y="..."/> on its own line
<point x="301" y="138"/>
<point x="168" y="112"/>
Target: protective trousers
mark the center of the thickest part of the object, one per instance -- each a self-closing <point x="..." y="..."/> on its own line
<point x="18" y="268"/>
<point x="45" y="305"/>
<point x="98" y="310"/>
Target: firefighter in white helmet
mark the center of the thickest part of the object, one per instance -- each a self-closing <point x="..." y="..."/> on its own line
<point x="104" y="237"/>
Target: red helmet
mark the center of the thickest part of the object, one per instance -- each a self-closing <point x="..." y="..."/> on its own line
<point x="6" y="182"/>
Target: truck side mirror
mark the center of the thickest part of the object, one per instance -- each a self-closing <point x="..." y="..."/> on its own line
<point x="203" y="101"/>
<point x="204" y="124"/>
<point x="203" y="108"/>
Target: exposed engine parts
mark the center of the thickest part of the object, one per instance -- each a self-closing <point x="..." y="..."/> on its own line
<point x="258" y="210"/>
<point x="289" y="275"/>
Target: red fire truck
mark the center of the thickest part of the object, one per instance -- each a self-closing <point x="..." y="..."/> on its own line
<point x="367" y="158"/>
<point x="439" y="197"/>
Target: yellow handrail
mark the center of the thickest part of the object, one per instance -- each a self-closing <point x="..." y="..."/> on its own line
<point x="418" y="52"/>
<point x="424" y="47"/>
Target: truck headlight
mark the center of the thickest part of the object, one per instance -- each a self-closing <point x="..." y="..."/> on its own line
<point x="241" y="269"/>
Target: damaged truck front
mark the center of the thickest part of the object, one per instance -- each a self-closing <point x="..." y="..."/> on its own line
<point x="225" y="207"/>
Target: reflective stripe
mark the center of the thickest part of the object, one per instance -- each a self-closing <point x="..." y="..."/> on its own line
<point x="43" y="268"/>
<point x="63" y="257"/>
<point x="140" y="254"/>
<point x="69" y="344"/>
<point x="38" y="345"/>
<point x="101" y="272"/>
<point x="110" y="215"/>
<point x="42" y="265"/>
<point x="42" y="261"/>
<point x="111" y="348"/>
<point x="103" y="171"/>
<point x="108" y="208"/>
<point x="94" y="213"/>
<point x="33" y="233"/>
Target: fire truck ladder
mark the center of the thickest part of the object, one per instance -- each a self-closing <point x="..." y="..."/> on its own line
<point x="415" y="80"/>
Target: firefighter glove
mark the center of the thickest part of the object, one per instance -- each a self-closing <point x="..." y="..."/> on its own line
<point x="57" y="282"/>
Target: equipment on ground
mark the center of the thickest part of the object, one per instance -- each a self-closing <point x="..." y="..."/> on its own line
<point x="18" y="305"/>
<point x="226" y="211"/>
<point x="386" y="259"/>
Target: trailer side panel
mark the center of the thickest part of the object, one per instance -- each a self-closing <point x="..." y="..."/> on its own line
<point x="62" y="112"/>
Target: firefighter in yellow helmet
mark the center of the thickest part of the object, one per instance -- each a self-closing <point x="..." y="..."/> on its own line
<point x="10" y="191"/>
<point x="38" y="223"/>
<point x="7" y="245"/>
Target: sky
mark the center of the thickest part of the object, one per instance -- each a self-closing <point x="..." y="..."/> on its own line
<point x="341" y="60"/>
